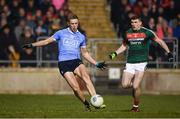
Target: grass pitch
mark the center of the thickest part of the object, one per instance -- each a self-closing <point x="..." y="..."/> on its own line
<point x="67" y="106"/>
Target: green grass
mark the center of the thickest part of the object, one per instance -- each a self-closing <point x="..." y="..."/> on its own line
<point x="54" y="106"/>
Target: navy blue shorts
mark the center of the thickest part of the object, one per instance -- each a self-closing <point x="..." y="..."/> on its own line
<point x="69" y="65"/>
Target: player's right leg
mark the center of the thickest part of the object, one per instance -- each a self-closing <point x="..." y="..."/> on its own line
<point x="66" y="69"/>
<point x="128" y="76"/>
<point x="127" y="80"/>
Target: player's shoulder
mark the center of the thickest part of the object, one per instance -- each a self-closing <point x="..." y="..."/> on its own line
<point x="129" y="30"/>
<point x="63" y="30"/>
<point x="146" y="30"/>
<point x="81" y="34"/>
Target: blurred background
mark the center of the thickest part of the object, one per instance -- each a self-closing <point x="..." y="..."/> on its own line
<point x="35" y="71"/>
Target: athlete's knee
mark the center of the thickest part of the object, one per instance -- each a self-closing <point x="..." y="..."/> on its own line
<point x="125" y="85"/>
<point x="136" y="86"/>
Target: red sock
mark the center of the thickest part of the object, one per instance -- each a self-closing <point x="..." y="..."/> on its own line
<point x="136" y="103"/>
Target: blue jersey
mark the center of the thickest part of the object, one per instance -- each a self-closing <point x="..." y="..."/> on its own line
<point x="69" y="44"/>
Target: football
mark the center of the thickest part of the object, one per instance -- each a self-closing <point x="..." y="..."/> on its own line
<point x="97" y="100"/>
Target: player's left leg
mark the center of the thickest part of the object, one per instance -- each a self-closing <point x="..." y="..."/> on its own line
<point x="84" y="75"/>
<point x="137" y="90"/>
<point x="82" y="72"/>
<point x="71" y="80"/>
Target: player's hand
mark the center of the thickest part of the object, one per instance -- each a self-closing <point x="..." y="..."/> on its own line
<point x="170" y="57"/>
<point x="112" y="55"/>
<point x="101" y="65"/>
<point x="26" y="46"/>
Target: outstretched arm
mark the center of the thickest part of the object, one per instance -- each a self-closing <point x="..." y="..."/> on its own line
<point x="87" y="56"/>
<point x="121" y="49"/>
<point x="162" y="44"/>
<point x="165" y="47"/>
<point x="39" y="43"/>
<point x="43" y="42"/>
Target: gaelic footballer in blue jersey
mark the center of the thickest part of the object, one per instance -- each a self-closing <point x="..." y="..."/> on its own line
<point x="71" y="43"/>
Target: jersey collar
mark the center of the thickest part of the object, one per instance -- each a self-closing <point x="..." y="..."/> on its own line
<point x="71" y="31"/>
<point x="136" y="30"/>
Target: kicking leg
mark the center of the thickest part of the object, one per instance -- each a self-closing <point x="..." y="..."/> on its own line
<point x="71" y="80"/>
<point x="83" y="74"/>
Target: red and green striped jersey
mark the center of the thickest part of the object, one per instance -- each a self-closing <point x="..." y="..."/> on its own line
<point x="138" y="42"/>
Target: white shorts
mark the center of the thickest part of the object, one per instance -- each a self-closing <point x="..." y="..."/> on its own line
<point x="132" y="67"/>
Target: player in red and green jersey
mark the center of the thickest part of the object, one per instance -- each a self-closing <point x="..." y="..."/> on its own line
<point x="136" y="41"/>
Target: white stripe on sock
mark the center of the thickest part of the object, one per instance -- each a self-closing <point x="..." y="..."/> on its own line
<point x="135" y="106"/>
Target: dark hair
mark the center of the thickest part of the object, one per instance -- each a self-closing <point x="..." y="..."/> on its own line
<point x="72" y="16"/>
<point x="135" y="17"/>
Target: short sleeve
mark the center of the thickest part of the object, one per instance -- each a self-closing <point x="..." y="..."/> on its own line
<point x="83" y="43"/>
<point x="125" y="40"/>
<point x="151" y="35"/>
<point x="57" y="36"/>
